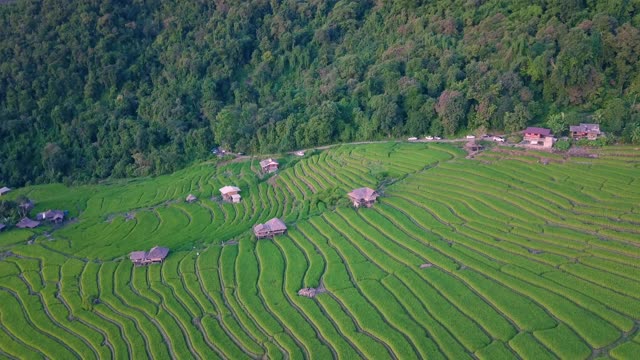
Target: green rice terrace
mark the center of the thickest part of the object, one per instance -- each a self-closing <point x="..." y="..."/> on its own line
<point x="498" y="257"/>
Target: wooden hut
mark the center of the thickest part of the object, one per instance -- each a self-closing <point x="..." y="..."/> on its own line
<point x="363" y="197"/>
<point x="308" y="292"/>
<point x="191" y="198"/>
<point x="155" y="256"/>
<point x="26" y="223"/>
<point x="230" y="194"/>
<point x="269" y="165"/>
<point x="55" y="216"/>
<point x="4" y="190"/>
<point x="585" y="131"/>
<point x="270" y="229"/>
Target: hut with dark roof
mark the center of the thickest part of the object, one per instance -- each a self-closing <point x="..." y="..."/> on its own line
<point x="363" y="197"/>
<point x="26" y="223"/>
<point x="270" y="229"/>
<point x="269" y="165"/>
<point x="55" y="216"/>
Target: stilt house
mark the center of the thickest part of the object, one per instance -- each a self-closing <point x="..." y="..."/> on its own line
<point x="155" y="256"/>
<point x="230" y="194"/>
<point x="270" y="229"/>
<point x="269" y="165"/>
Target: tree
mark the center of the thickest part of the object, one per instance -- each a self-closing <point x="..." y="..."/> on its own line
<point x="451" y="109"/>
<point x="516" y="120"/>
<point x="557" y="123"/>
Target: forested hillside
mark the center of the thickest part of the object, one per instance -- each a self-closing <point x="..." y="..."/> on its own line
<point x="93" y="89"/>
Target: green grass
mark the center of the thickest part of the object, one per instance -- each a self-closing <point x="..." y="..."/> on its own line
<point x="528" y="261"/>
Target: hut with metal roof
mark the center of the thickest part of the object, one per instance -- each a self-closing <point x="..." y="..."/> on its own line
<point x="269" y="165"/>
<point x="230" y="194"/>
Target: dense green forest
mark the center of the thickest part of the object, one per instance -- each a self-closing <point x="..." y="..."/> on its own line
<point x="93" y="89"/>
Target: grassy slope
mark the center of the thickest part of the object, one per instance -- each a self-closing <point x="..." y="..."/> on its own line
<point x="528" y="260"/>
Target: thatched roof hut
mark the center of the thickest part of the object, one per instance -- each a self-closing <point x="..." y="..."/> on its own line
<point x="269" y="229"/>
<point x="26" y="223"/>
<point x="363" y="197"/>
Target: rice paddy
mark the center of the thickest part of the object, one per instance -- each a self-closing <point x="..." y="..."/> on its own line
<point x="524" y="260"/>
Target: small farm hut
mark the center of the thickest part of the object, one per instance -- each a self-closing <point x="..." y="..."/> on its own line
<point x="26" y="223"/>
<point x="154" y="256"/>
<point x="4" y="190"/>
<point x="363" y="197"/>
<point x="230" y="194"/>
<point x="2" y="226"/>
<point x="269" y="165"/>
<point x="51" y="215"/>
<point x="191" y="198"/>
<point x="270" y="229"/>
<point x="299" y="153"/>
<point x="308" y="292"/>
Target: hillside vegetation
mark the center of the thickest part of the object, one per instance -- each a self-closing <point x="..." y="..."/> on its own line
<point x="97" y="89"/>
<point x="527" y="261"/>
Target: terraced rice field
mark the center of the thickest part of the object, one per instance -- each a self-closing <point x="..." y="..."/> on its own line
<point x="527" y="261"/>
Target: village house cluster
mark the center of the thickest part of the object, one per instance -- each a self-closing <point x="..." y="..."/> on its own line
<point x="542" y="138"/>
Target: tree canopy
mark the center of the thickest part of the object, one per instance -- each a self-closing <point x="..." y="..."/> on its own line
<point x="96" y="89"/>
